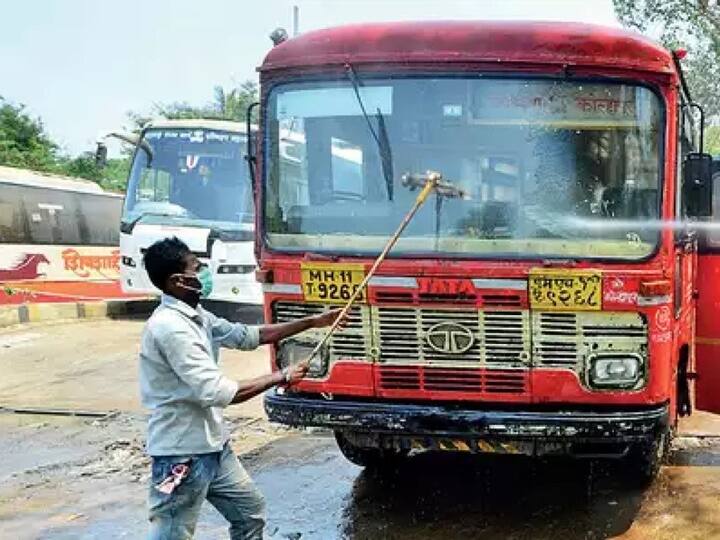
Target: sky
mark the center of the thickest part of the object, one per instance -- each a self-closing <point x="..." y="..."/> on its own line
<point x="81" y="65"/>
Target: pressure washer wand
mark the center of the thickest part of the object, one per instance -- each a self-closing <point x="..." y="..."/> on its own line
<point x="429" y="182"/>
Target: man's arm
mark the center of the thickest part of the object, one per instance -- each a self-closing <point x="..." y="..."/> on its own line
<point x="192" y="362"/>
<point x="252" y="387"/>
<point x="241" y="336"/>
<point x="272" y="333"/>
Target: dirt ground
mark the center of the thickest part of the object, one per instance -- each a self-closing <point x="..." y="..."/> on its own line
<point x="68" y="477"/>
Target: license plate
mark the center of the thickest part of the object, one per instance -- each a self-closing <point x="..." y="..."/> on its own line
<point x="328" y="282"/>
<point x="565" y="290"/>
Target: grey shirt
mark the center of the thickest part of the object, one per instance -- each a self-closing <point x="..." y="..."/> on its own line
<point x="180" y="381"/>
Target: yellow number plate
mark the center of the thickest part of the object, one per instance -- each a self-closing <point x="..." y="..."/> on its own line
<point x="333" y="283"/>
<point x="576" y="290"/>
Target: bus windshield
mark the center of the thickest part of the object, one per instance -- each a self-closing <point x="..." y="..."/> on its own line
<point x="553" y="168"/>
<point x="191" y="177"/>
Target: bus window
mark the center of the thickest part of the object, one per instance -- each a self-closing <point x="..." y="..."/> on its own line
<point x="347" y="169"/>
<point x="100" y="216"/>
<point x="154" y="185"/>
<point x="14" y="220"/>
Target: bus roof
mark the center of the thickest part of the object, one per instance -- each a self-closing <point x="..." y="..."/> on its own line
<point x="560" y="43"/>
<point x="199" y="123"/>
<point x="25" y="177"/>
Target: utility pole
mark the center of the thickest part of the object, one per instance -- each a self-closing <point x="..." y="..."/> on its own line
<point x="296" y="20"/>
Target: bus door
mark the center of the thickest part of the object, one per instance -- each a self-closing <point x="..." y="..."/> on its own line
<point x="707" y="329"/>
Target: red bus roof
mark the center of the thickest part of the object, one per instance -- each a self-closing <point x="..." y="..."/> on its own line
<point x="472" y="41"/>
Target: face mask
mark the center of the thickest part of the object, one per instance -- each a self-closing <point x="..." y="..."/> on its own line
<point x="204" y="282"/>
<point x="205" y="278"/>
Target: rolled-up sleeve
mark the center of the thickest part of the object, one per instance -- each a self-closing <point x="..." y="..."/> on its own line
<point x="191" y="360"/>
<point x="234" y="335"/>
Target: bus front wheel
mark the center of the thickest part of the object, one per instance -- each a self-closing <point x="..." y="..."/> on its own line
<point x="645" y="459"/>
<point x="368" y="456"/>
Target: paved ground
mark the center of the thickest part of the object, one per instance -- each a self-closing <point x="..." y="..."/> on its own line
<point x="73" y="477"/>
<point x="91" y="365"/>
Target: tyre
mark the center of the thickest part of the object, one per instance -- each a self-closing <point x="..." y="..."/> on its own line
<point x="370" y="457"/>
<point x="645" y="459"/>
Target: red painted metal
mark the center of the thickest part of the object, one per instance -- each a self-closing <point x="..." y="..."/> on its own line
<point x="507" y="42"/>
<point x="707" y="352"/>
<point x="538" y="385"/>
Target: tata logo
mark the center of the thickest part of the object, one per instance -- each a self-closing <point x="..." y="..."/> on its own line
<point x="449" y="338"/>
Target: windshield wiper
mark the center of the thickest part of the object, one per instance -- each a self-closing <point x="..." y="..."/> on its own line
<point x="381" y="139"/>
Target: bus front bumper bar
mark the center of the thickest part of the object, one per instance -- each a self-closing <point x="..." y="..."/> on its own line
<point x="579" y="432"/>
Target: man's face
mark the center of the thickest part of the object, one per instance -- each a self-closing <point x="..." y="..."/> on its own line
<point x="192" y="264"/>
<point x="185" y="286"/>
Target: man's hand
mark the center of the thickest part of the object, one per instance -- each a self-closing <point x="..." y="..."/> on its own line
<point x="287" y="377"/>
<point x="273" y="333"/>
<point x="295" y="373"/>
<point x="327" y="319"/>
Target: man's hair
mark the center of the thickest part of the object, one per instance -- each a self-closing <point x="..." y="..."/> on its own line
<point x="165" y="258"/>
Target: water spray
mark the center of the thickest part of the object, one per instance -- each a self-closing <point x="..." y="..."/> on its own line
<point x="627" y="225"/>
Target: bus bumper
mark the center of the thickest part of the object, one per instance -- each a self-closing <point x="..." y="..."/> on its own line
<point x="581" y="433"/>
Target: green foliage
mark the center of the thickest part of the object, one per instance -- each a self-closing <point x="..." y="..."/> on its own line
<point x="82" y="166"/>
<point x="115" y="174"/>
<point x="228" y="104"/>
<point x="690" y="24"/>
<point x="25" y="144"/>
<point x="113" y="177"/>
<point x="23" y="141"/>
<point x="712" y="140"/>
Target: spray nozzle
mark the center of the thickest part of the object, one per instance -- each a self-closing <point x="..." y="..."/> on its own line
<point x="441" y="187"/>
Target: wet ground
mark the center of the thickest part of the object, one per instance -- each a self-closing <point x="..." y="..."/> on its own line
<point x="65" y="477"/>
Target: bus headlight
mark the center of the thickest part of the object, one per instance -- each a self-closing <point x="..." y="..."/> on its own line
<point x="292" y="351"/>
<point x="236" y="268"/>
<point x="615" y="370"/>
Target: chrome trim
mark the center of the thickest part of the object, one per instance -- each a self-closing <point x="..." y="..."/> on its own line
<point x="282" y="288"/>
<point x="390" y="281"/>
<point x="653" y="300"/>
<point x="514" y="284"/>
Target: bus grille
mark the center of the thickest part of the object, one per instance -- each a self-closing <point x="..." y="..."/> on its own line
<point x="499" y="338"/>
<point x="349" y="342"/>
<point x="564" y="339"/>
<point x="433" y="379"/>
<point x="502" y="341"/>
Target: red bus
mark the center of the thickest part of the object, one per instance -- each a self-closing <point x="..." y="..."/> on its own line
<point x="554" y="311"/>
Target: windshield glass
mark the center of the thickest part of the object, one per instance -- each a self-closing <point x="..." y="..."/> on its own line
<point x="195" y="177"/>
<point x="548" y="166"/>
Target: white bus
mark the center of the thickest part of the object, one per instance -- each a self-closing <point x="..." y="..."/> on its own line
<point x="189" y="178"/>
<point x="58" y="239"/>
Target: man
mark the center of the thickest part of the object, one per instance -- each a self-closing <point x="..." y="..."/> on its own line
<point x="181" y="384"/>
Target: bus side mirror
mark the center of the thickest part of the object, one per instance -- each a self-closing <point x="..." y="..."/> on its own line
<point x="697" y="185"/>
<point x="101" y="153"/>
<point x="251" y="133"/>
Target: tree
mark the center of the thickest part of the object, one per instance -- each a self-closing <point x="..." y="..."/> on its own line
<point x="712" y="140"/>
<point x="112" y="177"/>
<point x="690" y="24"/>
<point x="23" y="140"/>
<point x="25" y="144"/>
<point x="228" y="104"/>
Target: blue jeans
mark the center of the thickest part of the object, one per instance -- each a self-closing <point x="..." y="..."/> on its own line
<point x="217" y="477"/>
